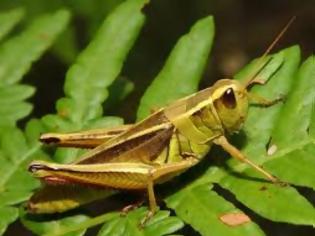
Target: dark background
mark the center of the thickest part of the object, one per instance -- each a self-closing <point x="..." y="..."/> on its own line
<point x="244" y="29"/>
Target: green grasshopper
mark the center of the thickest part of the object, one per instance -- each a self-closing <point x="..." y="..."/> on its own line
<point x="153" y="151"/>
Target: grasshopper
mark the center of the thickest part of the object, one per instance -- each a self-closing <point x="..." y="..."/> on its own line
<point x="153" y="151"/>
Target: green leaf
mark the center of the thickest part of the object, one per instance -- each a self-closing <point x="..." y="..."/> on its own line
<point x="287" y="129"/>
<point x="69" y="225"/>
<point x="15" y="93"/>
<point x="298" y="108"/>
<point x="94" y="70"/>
<point x="182" y="70"/>
<point x="16" y="57"/>
<point x="275" y="202"/>
<point x="99" y="64"/>
<point x="47" y="225"/>
<point x="66" y="47"/>
<point x="271" y="201"/>
<point x="17" y="149"/>
<point x="9" y="19"/>
<point x="201" y="207"/>
<point x="8" y="215"/>
<point x="296" y="148"/>
<point x="12" y="105"/>
<point x="16" y="184"/>
<point x="160" y="224"/>
<point x="118" y="91"/>
<point x="29" y="46"/>
<point x="86" y="89"/>
<point x="260" y="121"/>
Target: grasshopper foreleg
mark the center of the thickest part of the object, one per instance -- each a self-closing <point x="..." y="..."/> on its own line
<point x="234" y="152"/>
<point x="261" y="101"/>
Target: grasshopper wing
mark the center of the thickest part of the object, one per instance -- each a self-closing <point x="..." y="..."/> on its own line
<point x="141" y="143"/>
<point x="83" y="139"/>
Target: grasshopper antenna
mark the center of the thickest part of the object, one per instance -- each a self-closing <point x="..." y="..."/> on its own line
<point x="261" y="63"/>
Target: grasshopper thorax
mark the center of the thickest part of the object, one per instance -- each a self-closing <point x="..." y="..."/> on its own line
<point x="230" y="100"/>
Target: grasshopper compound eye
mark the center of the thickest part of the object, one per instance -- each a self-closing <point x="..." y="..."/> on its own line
<point x="228" y="99"/>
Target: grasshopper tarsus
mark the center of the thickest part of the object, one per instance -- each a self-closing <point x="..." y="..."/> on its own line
<point x="131" y="207"/>
<point x="282" y="183"/>
<point x="280" y="98"/>
<point x="187" y="155"/>
<point x="146" y="218"/>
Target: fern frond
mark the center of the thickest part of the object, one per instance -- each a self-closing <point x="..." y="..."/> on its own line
<point x="16" y="57"/>
<point x="17" y="149"/>
<point x="9" y="19"/>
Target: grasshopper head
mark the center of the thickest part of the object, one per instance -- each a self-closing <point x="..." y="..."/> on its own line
<point x="230" y="99"/>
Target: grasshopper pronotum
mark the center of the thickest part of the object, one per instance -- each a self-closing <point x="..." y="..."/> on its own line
<point x="138" y="156"/>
